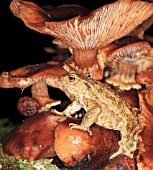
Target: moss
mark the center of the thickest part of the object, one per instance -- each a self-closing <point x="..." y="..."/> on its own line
<point x="10" y="163"/>
<point x="5" y="127"/>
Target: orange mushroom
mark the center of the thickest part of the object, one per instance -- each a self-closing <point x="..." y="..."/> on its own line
<point x="35" y="17"/>
<point x="140" y="30"/>
<point x="38" y="76"/>
<point x="85" y="35"/>
<point x="33" y="138"/>
<point x="144" y="160"/>
<point x="145" y="77"/>
<point x="126" y="62"/>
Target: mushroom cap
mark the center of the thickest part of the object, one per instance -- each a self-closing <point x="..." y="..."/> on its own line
<point x="128" y="61"/>
<point x="34" y="138"/>
<point x="102" y="26"/>
<point x="35" y="17"/>
<point x="139" y="31"/>
<point x="131" y="51"/>
<point x="32" y="15"/>
<point x="28" y="75"/>
<point x="65" y="11"/>
<point x="145" y="77"/>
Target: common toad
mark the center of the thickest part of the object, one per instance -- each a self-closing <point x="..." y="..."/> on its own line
<point x="104" y="107"/>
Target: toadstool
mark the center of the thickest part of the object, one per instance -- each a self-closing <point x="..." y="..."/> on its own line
<point x="128" y="61"/>
<point x="144" y="159"/>
<point x="85" y="35"/>
<point x="38" y="76"/>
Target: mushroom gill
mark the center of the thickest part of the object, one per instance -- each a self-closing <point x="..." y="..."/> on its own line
<point x="126" y="62"/>
<point x="86" y="34"/>
<point x="139" y="31"/>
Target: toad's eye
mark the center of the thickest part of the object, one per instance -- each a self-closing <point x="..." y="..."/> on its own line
<point x="71" y="78"/>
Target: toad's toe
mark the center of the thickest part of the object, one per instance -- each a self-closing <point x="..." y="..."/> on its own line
<point x="76" y="126"/>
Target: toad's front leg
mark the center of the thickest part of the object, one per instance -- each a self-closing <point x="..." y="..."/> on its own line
<point x="70" y="110"/>
<point x="89" y="119"/>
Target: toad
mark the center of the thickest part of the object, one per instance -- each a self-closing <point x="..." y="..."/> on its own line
<point x="104" y="107"/>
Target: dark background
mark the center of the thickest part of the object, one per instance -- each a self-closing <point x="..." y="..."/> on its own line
<point x="21" y="46"/>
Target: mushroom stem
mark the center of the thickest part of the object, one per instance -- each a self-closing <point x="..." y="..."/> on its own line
<point x="85" y="58"/>
<point x="40" y="93"/>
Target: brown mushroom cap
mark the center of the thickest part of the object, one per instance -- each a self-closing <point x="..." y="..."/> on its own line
<point x="28" y="75"/>
<point x="34" y="138"/>
<point x="99" y="28"/>
<point x="75" y="147"/>
<point x="145" y="77"/>
<point x="32" y="15"/>
<point x="35" y="17"/>
<point x="102" y="26"/>
<point x="38" y="76"/>
<point x="130" y="51"/>
<point x="126" y="62"/>
<point x="139" y="31"/>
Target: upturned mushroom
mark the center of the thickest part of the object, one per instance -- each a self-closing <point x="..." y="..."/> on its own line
<point x="127" y="61"/>
<point x="85" y="35"/>
<point x="35" y="17"/>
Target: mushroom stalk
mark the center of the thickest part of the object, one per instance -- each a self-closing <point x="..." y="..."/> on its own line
<point x="84" y="58"/>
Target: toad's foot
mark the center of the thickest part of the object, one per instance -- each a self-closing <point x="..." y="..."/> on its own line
<point x="121" y="151"/>
<point x="48" y="106"/>
<point x="116" y="154"/>
<point x="57" y="112"/>
<point x="127" y="149"/>
<point x="76" y="126"/>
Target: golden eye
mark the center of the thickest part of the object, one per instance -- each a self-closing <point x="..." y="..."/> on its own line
<point x="71" y="78"/>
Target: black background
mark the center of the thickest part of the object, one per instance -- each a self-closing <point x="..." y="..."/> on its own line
<point x="21" y="46"/>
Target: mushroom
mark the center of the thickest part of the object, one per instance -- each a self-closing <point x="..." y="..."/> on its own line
<point x="38" y="76"/>
<point x="34" y="138"/>
<point x="139" y="31"/>
<point x="145" y="77"/>
<point x="78" y="150"/>
<point x="125" y="62"/>
<point x="144" y="160"/>
<point x="35" y="17"/>
<point x="85" y="35"/>
<point x="28" y="106"/>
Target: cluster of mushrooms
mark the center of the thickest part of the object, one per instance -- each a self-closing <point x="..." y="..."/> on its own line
<point x="108" y="44"/>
